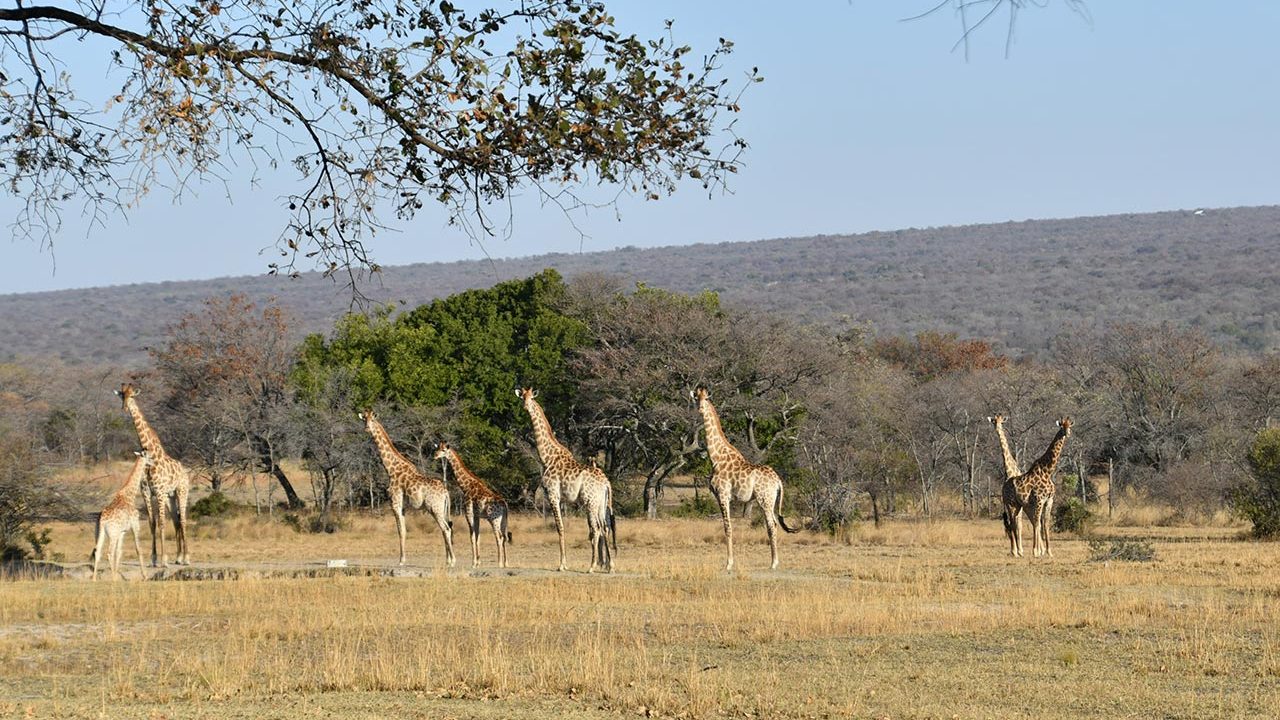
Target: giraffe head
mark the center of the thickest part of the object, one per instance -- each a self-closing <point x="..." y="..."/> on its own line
<point x="148" y="460"/>
<point x="526" y="395"/>
<point x="126" y="391"/>
<point x="699" y="396"/>
<point x="442" y="451"/>
<point x="996" y="420"/>
<point x="1065" y="424"/>
<point x="370" y="420"/>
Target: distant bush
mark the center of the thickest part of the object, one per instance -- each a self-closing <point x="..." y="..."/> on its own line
<point x="314" y="522"/>
<point x="1072" y="516"/>
<point x="1125" y="550"/>
<point x="213" y="505"/>
<point x="699" y="506"/>
<point x="1258" y="500"/>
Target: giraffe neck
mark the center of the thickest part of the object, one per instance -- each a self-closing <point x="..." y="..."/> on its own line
<point x="392" y="460"/>
<point x="721" y="451"/>
<point x="1049" y="460"/>
<point x="1010" y="464"/>
<point x="150" y="441"/>
<point x="549" y="448"/>
<point x="464" y="477"/>
<point x="131" y="487"/>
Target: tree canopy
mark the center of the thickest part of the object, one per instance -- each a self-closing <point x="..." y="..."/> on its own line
<point x="380" y="107"/>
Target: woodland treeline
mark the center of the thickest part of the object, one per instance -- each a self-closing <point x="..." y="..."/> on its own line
<point x="857" y="423"/>
<point x="1012" y="284"/>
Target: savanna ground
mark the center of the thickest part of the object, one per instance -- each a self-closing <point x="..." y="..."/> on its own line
<point x="910" y="620"/>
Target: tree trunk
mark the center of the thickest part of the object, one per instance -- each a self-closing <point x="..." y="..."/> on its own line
<point x="651" y="499"/>
<point x="273" y="467"/>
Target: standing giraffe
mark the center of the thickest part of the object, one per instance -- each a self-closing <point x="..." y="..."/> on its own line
<point x="1030" y="492"/>
<point x="121" y="516"/>
<point x="168" y="484"/>
<point x="734" y="478"/>
<point x="482" y="502"/>
<point x="405" y="481"/>
<point x="565" y="480"/>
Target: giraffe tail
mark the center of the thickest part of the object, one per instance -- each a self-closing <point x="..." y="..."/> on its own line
<point x="505" y="531"/>
<point x="612" y="519"/>
<point x="1007" y="520"/>
<point x="777" y="508"/>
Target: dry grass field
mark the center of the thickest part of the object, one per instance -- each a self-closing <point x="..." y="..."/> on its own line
<point x="913" y="620"/>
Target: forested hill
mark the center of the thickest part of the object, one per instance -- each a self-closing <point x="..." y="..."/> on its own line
<point x="1014" y="283"/>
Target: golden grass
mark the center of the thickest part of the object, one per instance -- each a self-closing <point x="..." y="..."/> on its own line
<point x="909" y="620"/>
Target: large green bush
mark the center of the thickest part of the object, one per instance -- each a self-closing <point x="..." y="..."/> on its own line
<point x="1258" y="500"/>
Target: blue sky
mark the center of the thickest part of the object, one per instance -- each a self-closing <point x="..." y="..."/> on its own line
<point x="863" y="123"/>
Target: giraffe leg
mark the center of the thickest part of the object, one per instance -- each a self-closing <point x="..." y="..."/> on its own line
<point x="593" y="539"/>
<point x="1048" y="518"/>
<point x="162" y="509"/>
<point x="1016" y="530"/>
<point x="1009" y="514"/>
<point x="184" y="551"/>
<point x="557" y="515"/>
<point x="770" y="525"/>
<point x="495" y="523"/>
<point x="397" y="508"/>
<point x="503" y="534"/>
<point x="724" y="499"/>
<point x="137" y="545"/>
<point x="155" y="522"/>
<point x="602" y="543"/>
<point x="98" y="548"/>
<point x="117" y="555"/>
<point x="473" y="531"/>
<point x="446" y="529"/>
<point x="176" y="513"/>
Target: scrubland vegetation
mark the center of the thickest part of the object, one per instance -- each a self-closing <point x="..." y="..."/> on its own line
<point x="898" y="601"/>
<point x="913" y="619"/>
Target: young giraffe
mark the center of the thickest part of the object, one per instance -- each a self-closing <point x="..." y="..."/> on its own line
<point x="405" y="481"/>
<point x="482" y="502"/>
<point x="1031" y="492"/>
<point x="121" y="516"/>
<point x="565" y="480"/>
<point x="168" y="484"/>
<point x="734" y="478"/>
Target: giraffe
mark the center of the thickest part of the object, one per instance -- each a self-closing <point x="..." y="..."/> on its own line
<point x="482" y="502"/>
<point x="121" y="516"/>
<point x="405" y="481"/>
<point x="1031" y="492"/>
<point x="734" y="478"/>
<point x="168" y="483"/>
<point x="565" y="480"/>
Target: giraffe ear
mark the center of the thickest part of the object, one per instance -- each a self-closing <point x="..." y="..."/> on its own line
<point x="118" y="393"/>
<point x="534" y="393"/>
<point x="518" y="393"/>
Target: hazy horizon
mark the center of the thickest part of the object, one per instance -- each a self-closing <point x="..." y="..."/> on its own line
<point x="863" y="123"/>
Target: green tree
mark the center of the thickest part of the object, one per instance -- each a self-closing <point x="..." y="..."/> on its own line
<point x="1259" y="499"/>
<point x="469" y="351"/>
<point x="392" y="105"/>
